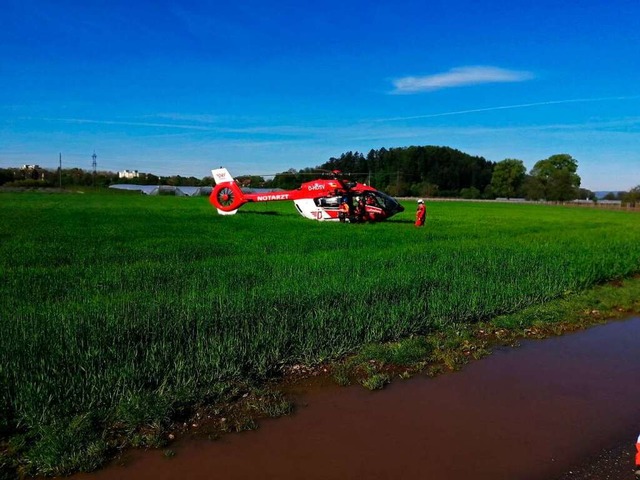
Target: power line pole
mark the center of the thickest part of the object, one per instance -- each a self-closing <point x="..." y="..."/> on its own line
<point x="60" y="169"/>
<point x="94" y="164"/>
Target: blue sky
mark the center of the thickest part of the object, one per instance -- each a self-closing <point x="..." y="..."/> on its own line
<point x="182" y="87"/>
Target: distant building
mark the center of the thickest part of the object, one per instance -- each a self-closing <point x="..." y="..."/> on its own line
<point x="128" y="174"/>
<point x="30" y="167"/>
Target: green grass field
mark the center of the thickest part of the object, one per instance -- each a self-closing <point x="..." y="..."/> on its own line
<point x="115" y="308"/>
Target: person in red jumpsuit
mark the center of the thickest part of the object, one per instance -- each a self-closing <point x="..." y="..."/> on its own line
<point x="638" y="457"/>
<point x="360" y="211"/>
<point x="421" y="214"/>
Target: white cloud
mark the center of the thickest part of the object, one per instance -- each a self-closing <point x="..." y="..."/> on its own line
<point x="459" y="77"/>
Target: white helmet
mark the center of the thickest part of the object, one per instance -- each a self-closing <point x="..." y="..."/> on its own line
<point x="420" y="200"/>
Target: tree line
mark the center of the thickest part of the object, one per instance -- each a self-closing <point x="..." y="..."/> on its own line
<point x="446" y="172"/>
<point x="36" y="176"/>
<point x="424" y="171"/>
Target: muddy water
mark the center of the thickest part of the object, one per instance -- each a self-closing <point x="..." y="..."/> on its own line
<point x="528" y="413"/>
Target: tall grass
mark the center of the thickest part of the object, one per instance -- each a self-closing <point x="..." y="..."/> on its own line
<point x="111" y="302"/>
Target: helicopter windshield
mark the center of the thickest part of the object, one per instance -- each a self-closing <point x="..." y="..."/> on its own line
<point x="384" y="201"/>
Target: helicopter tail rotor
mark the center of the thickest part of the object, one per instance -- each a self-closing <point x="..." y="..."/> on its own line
<point x="226" y="196"/>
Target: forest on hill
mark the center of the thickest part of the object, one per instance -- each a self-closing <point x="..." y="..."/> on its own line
<point x="416" y="170"/>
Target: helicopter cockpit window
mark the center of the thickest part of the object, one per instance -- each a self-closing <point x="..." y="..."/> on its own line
<point x="385" y="201"/>
<point x="371" y="198"/>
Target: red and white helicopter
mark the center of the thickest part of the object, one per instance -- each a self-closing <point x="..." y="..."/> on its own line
<point x="322" y="199"/>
